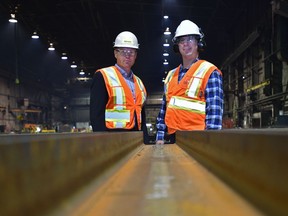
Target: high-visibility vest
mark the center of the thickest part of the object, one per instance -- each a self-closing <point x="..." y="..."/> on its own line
<point x="186" y="103"/>
<point x="121" y="106"/>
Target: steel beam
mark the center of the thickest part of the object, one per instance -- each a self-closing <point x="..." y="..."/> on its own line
<point x="38" y="171"/>
<point x="254" y="162"/>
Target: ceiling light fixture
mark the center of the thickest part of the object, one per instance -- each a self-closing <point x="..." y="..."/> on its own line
<point x="165" y="62"/>
<point x="82" y="72"/>
<point x="165" y="16"/>
<point x="64" y="56"/>
<point x="51" y="47"/>
<point x="84" y="79"/>
<point x="13" y="13"/>
<point x="13" y="18"/>
<point x="35" y="35"/>
<point x="167" y="31"/>
<point x="73" y="65"/>
<point x="166" y="44"/>
<point x="165" y="53"/>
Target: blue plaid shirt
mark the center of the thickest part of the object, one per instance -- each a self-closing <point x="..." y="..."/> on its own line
<point x="214" y="104"/>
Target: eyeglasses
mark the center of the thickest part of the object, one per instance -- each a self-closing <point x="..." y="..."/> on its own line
<point x="127" y="52"/>
<point x="188" y="39"/>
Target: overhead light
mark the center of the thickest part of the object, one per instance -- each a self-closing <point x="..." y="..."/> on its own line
<point x="73" y="65"/>
<point x="84" y="79"/>
<point x="13" y="18"/>
<point x="35" y="35"/>
<point x="64" y="56"/>
<point x="167" y="31"/>
<point x="82" y="72"/>
<point x="51" y="47"/>
<point x="166" y="44"/>
<point x="165" y="53"/>
<point x="17" y="81"/>
<point x="165" y="62"/>
<point x="165" y="16"/>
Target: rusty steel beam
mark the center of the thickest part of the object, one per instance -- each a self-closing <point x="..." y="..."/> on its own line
<point x="62" y="174"/>
<point x="254" y="162"/>
<point x="38" y="171"/>
<point x="159" y="181"/>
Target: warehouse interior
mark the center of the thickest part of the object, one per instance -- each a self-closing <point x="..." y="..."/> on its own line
<point x="41" y="92"/>
<point x="52" y="164"/>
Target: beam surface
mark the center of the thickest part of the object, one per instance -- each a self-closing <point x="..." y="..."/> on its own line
<point x="253" y="162"/>
<point x="39" y="171"/>
<point x="159" y="181"/>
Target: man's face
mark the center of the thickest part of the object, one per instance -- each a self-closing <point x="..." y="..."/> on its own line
<point x="188" y="46"/>
<point x="125" y="57"/>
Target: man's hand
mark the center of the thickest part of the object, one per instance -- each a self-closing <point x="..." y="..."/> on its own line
<point x="160" y="142"/>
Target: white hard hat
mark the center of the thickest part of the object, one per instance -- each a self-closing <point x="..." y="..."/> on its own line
<point x="187" y="27"/>
<point x="126" y="39"/>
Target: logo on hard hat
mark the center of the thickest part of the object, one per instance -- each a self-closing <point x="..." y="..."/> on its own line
<point x="127" y="41"/>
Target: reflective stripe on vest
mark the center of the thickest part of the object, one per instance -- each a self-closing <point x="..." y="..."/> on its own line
<point x="168" y="78"/>
<point x="198" y="78"/>
<point x="187" y="104"/>
<point x="119" y="115"/>
<point x="117" y="88"/>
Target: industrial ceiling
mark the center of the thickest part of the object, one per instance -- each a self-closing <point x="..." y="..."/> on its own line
<point x="86" y="29"/>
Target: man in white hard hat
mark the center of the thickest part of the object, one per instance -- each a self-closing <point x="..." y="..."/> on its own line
<point x="117" y="95"/>
<point x="193" y="92"/>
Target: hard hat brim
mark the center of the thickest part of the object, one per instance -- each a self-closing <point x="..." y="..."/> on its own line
<point x="119" y="46"/>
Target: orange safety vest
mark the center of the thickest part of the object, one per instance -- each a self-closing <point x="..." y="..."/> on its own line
<point x="120" y="108"/>
<point x="186" y="103"/>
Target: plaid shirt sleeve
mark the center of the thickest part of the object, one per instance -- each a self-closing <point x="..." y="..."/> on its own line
<point x="160" y="123"/>
<point x="214" y="101"/>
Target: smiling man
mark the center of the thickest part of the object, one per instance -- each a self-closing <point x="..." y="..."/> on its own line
<point x="193" y="92"/>
<point x="117" y="95"/>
